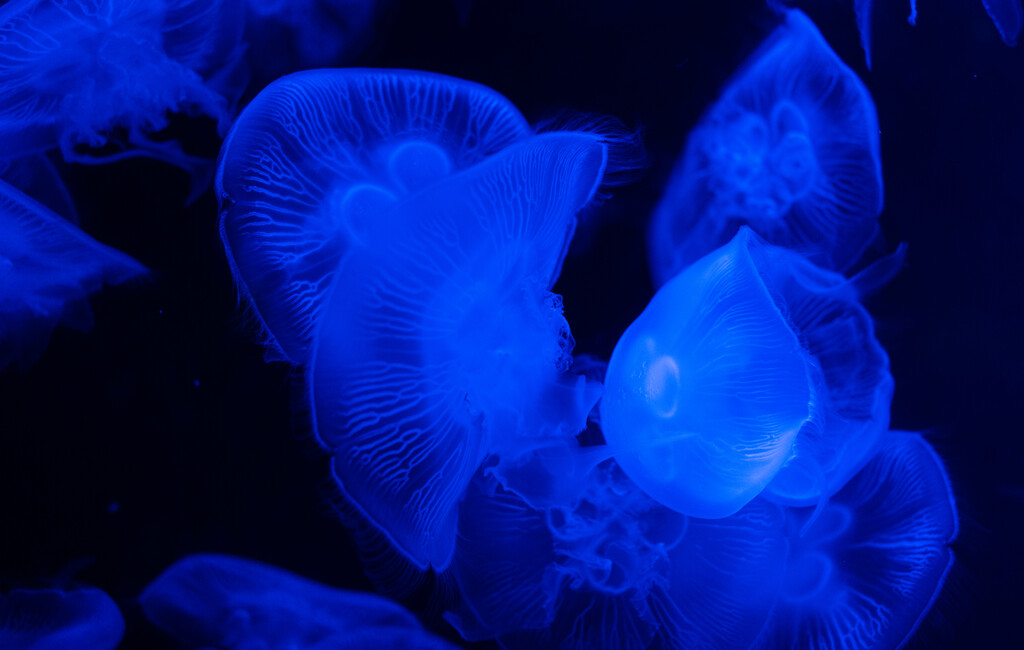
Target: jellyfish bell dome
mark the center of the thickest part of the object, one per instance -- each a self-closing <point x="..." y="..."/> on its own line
<point x="316" y="161"/>
<point x="868" y="567"/>
<point x="752" y="370"/>
<point x="790" y="149"/>
<point x="707" y="389"/>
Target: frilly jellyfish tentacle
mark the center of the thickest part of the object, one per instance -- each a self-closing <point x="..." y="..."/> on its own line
<point x="315" y="160"/>
<point x="48" y="267"/>
<point x="229" y="602"/>
<point x="869" y="568"/>
<point x="790" y="149"/>
<point x="706" y="390"/>
<point x="444" y="343"/>
<point x="51" y="619"/>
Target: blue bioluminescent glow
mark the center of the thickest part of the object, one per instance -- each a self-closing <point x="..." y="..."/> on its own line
<point x="790" y="149"/>
<point x="97" y="79"/>
<point x="867" y="569"/>
<point x="442" y="342"/>
<point x="53" y="619"/>
<point x="236" y="604"/>
<point x="48" y="268"/>
<point x="751" y="369"/>
<point x="318" y="157"/>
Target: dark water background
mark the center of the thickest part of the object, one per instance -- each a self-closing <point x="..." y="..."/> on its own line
<point x="162" y="432"/>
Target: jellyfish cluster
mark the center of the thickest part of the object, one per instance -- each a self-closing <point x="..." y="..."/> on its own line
<point x="727" y="477"/>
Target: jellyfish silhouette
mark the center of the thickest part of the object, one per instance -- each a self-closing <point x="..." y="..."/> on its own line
<point x="228" y="602"/>
<point x="870" y="566"/>
<point x="752" y="368"/>
<point x="317" y="157"/>
<point x="48" y="267"/>
<point x="96" y="79"/>
<point x="790" y="149"/>
<point x="614" y="566"/>
<point x="291" y="35"/>
<point x="52" y="619"/>
<point x="441" y="342"/>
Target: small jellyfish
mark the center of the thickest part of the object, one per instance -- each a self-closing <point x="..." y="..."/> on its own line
<point x="316" y="159"/>
<point x="96" y="79"/>
<point x="232" y="603"/>
<point x="790" y="149"/>
<point x="612" y="565"/>
<point x="865" y="572"/>
<point x="441" y="342"/>
<point x="751" y="369"/>
<point x="53" y="619"/>
<point x="48" y="267"/>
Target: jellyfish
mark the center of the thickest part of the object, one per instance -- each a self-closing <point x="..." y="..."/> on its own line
<point x="97" y="79"/>
<point x="870" y="566"/>
<point x="790" y="149"/>
<point x="48" y="267"/>
<point x="441" y="342"/>
<point x="1008" y="16"/>
<point x="221" y="601"/>
<point x="313" y="161"/>
<point x="753" y="369"/>
<point x="612" y="565"/>
<point x="291" y="35"/>
<point x="84" y="618"/>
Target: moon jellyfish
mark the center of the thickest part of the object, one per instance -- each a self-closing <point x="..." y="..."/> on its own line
<point x="102" y="76"/>
<point x="790" y="149"/>
<point x="613" y="564"/>
<point x="53" y="619"/>
<point x="751" y="369"/>
<point x="441" y="341"/>
<point x="868" y="569"/>
<point x="317" y="157"/>
<point x="48" y="267"/>
<point x="233" y="603"/>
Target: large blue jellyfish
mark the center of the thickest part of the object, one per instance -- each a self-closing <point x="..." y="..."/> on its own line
<point x="441" y="341"/>
<point x="52" y="619"/>
<point x="97" y="78"/>
<point x="48" y="267"/>
<point x="751" y="369"/>
<point x="790" y="149"/>
<point x="612" y="569"/>
<point x="316" y="159"/>
<point x="234" y="604"/>
<point x="867" y="570"/>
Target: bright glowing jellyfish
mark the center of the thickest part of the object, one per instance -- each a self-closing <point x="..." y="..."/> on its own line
<point x="441" y="341"/>
<point x="97" y="78"/>
<point x="613" y="565"/>
<point x="53" y="619"/>
<point x="790" y="149"/>
<point x="48" y="267"/>
<point x="315" y="161"/>
<point x="233" y="603"/>
<point x="752" y="368"/>
<point x="870" y="566"/>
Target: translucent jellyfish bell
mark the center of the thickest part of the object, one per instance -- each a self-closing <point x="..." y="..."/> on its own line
<point x="443" y="343"/>
<point x="318" y="157"/>
<point x="790" y="149"/>
<point x="48" y="267"/>
<point x="53" y="619"/>
<point x="79" y="74"/>
<point x="233" y="603"/>
<point x="870" y="566"/>
<point x="751" y="369"/>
